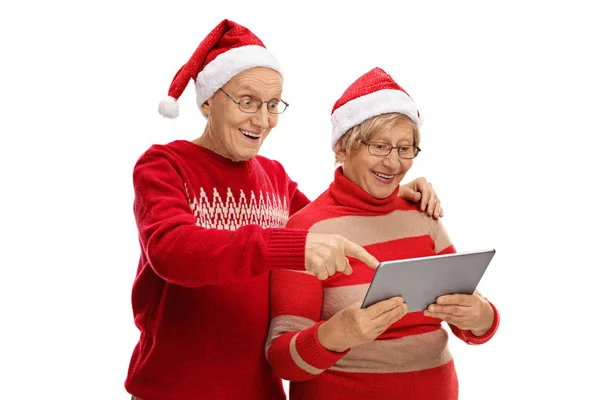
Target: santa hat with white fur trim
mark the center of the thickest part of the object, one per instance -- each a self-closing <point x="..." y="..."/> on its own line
<point x="227" y="50"/>
<point x="372" y="94"/>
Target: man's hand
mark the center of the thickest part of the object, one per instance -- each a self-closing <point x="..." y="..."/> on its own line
<point x="467" y="312"/>
<point x="354" y="326"/>
<point x="326" y="254"/>
<point x="421" y="190"/>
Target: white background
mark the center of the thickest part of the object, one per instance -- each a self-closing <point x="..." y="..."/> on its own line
<point x="509" y="93"/>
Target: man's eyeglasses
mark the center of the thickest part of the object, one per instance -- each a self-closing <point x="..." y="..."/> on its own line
<point x="406" y="151"/>
<point x="249" y="105"/>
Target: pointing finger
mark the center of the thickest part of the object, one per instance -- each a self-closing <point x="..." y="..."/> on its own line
<point x="353" y="250"/>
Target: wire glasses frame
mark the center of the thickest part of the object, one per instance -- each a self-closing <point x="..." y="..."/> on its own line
<point x="407" y="151"/>
<point x="249" y="105"/>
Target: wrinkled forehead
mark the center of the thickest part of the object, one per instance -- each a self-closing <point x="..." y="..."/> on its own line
<point x="259" y="81"/>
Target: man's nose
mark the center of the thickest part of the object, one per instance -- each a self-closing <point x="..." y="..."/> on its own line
<point x="261" y="117"/>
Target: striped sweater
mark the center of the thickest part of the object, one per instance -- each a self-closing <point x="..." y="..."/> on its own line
<point x="411" y="359"/>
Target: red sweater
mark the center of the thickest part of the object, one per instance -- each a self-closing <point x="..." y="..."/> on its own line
<point x="411" y="359"/>
<point x="209" y="230"/>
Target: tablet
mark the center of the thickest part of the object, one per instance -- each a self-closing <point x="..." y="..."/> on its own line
<point x="420" y="281"/>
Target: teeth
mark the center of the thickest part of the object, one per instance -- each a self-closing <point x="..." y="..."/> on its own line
<point x="251" y="134"/>
<point x="383" y="176"/>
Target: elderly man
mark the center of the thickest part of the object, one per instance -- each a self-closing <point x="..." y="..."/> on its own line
<point x="210" y="214"/>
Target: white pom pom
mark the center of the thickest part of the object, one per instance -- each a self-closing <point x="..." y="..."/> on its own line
<point x="168" y="107"/>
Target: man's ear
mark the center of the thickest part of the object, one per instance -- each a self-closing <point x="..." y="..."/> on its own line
<point x="206" y="107"/>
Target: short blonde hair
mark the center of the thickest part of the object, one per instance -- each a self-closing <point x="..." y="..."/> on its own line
<point x="367" y="130"/>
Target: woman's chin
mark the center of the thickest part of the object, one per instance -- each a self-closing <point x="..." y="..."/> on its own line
<point x="380" y="194"/>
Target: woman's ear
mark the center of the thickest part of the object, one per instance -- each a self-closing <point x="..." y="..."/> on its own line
<point x="340" y="155"/>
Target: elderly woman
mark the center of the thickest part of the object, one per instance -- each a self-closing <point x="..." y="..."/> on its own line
<point x="210" y="215"/>
<point x="320" y="339"/>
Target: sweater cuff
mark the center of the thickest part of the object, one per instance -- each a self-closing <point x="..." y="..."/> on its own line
<point x="312" y="352"/>
<point x="468" y="337"/>
<point x="286" y="248"/>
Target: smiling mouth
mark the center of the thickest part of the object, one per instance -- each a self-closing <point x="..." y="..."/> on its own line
<point x="251" y="135"/>
<point x="383" y="176"/>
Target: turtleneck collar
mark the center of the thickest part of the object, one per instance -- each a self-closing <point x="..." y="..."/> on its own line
<point x="349" y="194"/>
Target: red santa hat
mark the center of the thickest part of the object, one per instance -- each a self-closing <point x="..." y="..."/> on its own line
<point x="228" y="50"/>
<point x="372" y="94"/>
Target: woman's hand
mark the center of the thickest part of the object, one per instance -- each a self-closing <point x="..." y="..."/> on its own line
<point x="421" y="190"/>
<point x="354" y="326"/>
<point x="466" y="312"/>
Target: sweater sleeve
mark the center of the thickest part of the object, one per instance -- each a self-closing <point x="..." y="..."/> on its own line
<point x="292" y="347"/>
<point x="468" y="337"/>
<point x="298" y="199"/>
<point x="183" y="253"/>
<point x="443" y="244"/>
